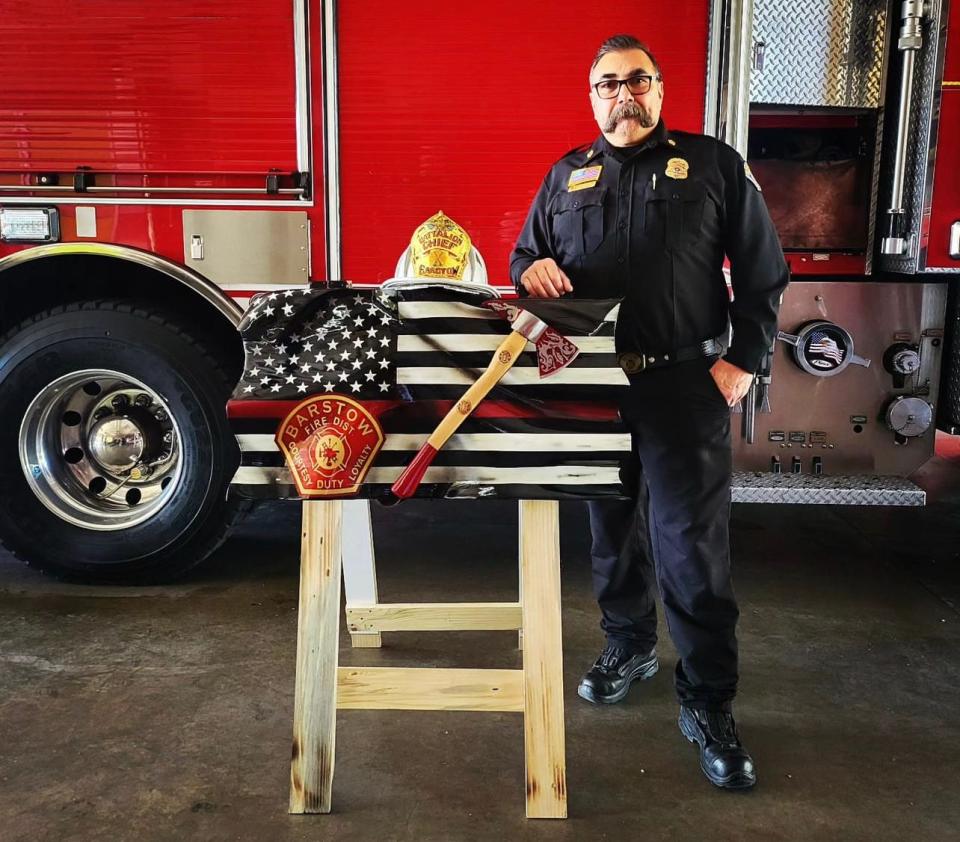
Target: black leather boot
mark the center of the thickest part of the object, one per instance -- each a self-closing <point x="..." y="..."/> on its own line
<point x="723" y="759"/>
<point x="614" y="671"/>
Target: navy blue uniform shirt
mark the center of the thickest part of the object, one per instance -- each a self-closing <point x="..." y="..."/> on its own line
<point x="652" y="226"/>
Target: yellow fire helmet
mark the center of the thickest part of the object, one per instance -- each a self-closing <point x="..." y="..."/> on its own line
<point x="440" y="250"/>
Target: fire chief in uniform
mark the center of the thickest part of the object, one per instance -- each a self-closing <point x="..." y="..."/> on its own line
<point x="647" y="215"/>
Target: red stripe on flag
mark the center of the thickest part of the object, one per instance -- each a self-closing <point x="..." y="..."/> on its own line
<point x="593" y="411"/>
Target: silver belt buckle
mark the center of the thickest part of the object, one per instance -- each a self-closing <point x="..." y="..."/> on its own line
<point x="631" y="362"/>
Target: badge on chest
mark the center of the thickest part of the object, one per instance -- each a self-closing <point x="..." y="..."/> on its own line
<point x="677" y="168"/>
<point x="584" y="178"/>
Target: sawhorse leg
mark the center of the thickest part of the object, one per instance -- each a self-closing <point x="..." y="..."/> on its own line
<point x="359" y="567"/>
<point x="543" y="727"/>
<point x="318" y="637"/>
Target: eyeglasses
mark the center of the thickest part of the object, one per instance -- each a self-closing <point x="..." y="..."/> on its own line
<point x="637" y="85"/>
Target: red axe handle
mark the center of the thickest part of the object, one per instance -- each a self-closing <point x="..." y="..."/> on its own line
<point x="503" y="358"/>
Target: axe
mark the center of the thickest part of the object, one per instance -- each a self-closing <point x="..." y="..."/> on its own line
<point x="554" y="352"/>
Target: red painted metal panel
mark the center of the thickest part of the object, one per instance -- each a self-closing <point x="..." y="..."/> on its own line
<point x="945" y="208"/>
<point x="463" y="108"/>
<point x="241" y="116"/>
<point x="317" y="214"/>
<point x="951" y="70"/>
<point x="151" y="85"/>
<point x="821" y="263"/>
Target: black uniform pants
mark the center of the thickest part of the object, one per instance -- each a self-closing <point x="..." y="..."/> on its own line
<point x="675" y="533"/>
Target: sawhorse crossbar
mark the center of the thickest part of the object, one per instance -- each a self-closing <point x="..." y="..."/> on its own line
<point x="536" y="690"/>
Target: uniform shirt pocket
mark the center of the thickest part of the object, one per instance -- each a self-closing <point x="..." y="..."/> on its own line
<point x="577" y="222"/>
<point x="674" y="213"/>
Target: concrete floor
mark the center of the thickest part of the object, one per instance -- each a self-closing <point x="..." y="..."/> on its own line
<point x="165" y="713"/>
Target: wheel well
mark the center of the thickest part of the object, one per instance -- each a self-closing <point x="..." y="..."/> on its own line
<point x="36" y="285"/>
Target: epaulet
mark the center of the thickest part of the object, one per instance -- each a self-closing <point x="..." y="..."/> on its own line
<point x="680" y="137"/>
<point x="582" y="149"/>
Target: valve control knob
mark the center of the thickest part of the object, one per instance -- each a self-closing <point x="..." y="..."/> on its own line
<point x="906" y="362"/>
<point x="902" y="358"/>
<point x="908" y="416"/>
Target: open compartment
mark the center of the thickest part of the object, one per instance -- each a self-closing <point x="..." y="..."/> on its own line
<point x="817" y="175"/>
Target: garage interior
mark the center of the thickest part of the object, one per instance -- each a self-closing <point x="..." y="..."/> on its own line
<point x="165" y="712"/>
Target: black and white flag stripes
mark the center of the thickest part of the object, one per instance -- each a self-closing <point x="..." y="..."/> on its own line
<point x="530" y="438"/>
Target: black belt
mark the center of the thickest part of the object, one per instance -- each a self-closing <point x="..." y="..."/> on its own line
<point x="633" y="362"/>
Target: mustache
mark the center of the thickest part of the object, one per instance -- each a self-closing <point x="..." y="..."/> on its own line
<point x="629" y="111"/>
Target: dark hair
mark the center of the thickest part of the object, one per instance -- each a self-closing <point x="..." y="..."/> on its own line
<point x="619" y="43"/>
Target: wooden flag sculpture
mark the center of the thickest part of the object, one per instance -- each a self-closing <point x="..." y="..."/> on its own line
<point x="554" y="352"/>
<point x="342" y="388"/>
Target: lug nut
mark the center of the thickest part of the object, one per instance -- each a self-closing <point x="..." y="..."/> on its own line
<point x="120" y="402"/>
<point x="168" y="436"/>
<point x="143" y="400"/>
<point x="103" y="412"/>
<point x="160" y="415"/>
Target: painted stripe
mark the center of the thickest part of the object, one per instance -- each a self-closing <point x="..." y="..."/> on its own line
<point x="592" y="410"/>
<point x="443" y="310"/>
<point x="516" y="376"/>
<point x="504" y="442"/>
<point x="471" y="474"/>
<point x="465" y="342"/>
<point x="457" y="310"/>
<point x="246" y="287"/>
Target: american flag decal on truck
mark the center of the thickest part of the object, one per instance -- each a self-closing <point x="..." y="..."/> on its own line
<point x="408" y="356"/>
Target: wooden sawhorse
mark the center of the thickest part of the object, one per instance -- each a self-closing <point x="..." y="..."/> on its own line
<point x="536" y="690"/>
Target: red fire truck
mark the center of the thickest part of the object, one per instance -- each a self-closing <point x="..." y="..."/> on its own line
<point x="162" y="162"/>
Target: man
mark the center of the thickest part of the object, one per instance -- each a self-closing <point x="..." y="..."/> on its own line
<point x="647" y="215"/>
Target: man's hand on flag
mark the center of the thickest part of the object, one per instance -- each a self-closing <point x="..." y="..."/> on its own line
<point x="544" y="279"/>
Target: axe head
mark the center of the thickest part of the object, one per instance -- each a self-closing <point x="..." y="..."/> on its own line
<point x="554" y="351"/>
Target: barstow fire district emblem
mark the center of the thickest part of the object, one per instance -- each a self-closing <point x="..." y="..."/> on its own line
<point x="329" y="443"/>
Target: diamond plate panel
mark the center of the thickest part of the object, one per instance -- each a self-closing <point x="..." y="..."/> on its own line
<point x="818" y="52"/>
<point x="826" y="490"/>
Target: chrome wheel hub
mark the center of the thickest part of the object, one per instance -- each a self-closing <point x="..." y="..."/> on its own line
<point x="117" y="443"/>
<point x="100" y="449"/>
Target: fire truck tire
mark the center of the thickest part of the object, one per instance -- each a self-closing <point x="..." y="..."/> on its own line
<point x="115" y="452"/>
